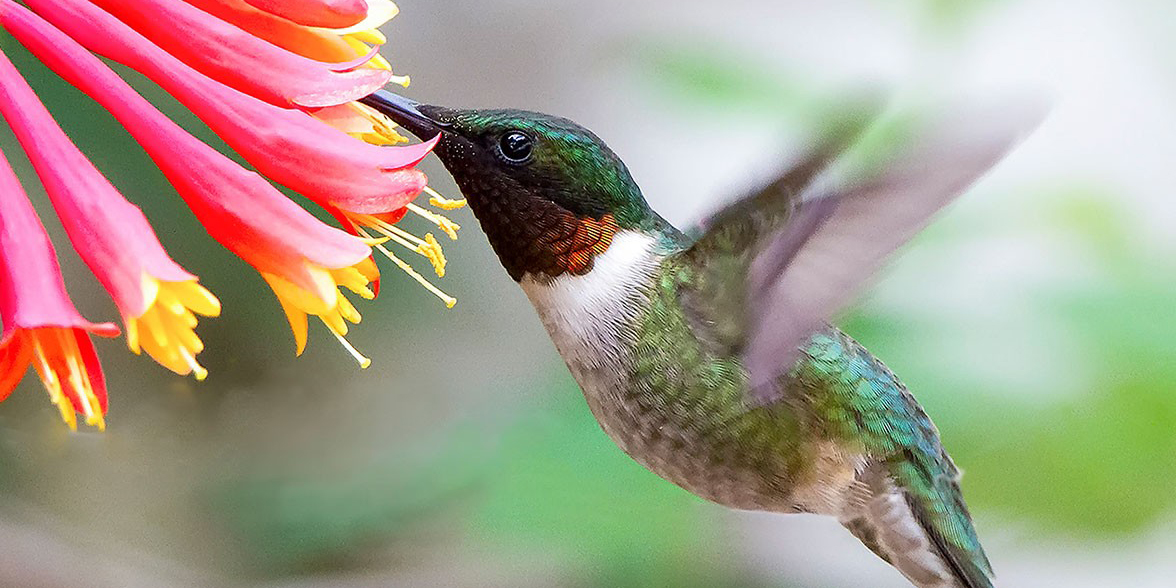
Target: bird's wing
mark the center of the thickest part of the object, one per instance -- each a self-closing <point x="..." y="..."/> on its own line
<point x="772" y="268"/>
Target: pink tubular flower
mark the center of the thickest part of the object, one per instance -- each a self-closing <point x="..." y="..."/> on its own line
<point x="236" y="58"/>
<point x="41" y="326"/>
<point x="332" y="14"/>
<point x="155" y="296"/>
<point x="320" y="44"/>
<point x="333" y="46"/>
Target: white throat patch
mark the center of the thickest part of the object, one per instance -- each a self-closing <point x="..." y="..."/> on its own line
<point x="585" y="315"/>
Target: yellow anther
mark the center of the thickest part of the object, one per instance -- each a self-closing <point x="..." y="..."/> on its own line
<point x="449" y="300"/>
<point x="355" y="280"/>
<point x="198" y="370"/>
<point x="428" y="247"/>
<point x="431" y="249"/>
<point x="170" y="322"/>
<point x="80" y="380"/>
<point x="436" y="199"/>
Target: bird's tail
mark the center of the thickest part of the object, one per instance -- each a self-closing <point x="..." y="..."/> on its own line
<point x="929" y="539"/>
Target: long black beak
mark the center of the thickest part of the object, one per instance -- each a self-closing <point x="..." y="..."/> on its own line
<point x="405" y="113"/>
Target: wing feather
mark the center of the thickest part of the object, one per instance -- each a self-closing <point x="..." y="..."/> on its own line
<point x="806" y="244"/>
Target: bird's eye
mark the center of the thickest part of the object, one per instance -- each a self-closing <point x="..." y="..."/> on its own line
<point x="516" y="146"/>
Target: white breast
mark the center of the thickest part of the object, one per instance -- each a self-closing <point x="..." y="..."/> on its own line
<point x="585" y="315"/>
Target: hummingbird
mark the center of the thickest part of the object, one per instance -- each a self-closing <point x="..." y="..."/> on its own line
<point x="708" y="357"/>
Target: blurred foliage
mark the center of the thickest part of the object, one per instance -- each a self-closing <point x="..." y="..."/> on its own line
<point x="709" y="74"/>
<point x="561" y="486"/>
<point x="301" y="523"/>
<point x="945" y="17"/>
<point x="1102" y="461"/>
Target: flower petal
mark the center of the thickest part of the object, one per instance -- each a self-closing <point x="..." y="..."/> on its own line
<point x="331" y="14"/>
<point x="14" y="362"/>
<point x="111" y="235"/>
<point x="313" y="43"/>
<point x="225" y="52"/>
<point x="378" y="14"/>
<point x="32" y="291"/>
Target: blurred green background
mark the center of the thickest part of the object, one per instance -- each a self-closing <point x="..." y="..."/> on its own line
<point x="1035" y="321"/>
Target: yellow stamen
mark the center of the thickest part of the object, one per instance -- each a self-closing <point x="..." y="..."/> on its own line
<point x="427" y="247"/>
<point x="355" y="280"/>
<point x="170" y="322"/>
<point x="432" y="250"/>
<point x="449" y="300"/>
<point x="451" y="228"/>
<point x="52" y="384"/>
<point x="198" y="370"/>
<point x="436" y="199"/>
<point x="80" y="380"/>
<point x="59" y="363"/>
<point x="363" y="360"/>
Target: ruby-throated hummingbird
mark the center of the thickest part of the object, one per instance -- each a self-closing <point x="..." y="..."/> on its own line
<point x="708" y="359"/>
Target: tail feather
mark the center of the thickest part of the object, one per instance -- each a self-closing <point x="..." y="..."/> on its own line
<point x="902" y="530"/>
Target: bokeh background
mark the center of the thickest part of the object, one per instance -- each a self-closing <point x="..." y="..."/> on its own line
<point x="1035" y="320"/>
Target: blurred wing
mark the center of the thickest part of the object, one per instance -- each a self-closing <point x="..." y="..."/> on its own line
<point x="727" y="241"/>
<point x="808" y="255"/>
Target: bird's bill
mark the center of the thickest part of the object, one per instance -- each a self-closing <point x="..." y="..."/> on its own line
<point x="405" y="113"/>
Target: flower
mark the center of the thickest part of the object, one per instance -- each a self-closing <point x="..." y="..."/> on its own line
<point x="336" y="14"/>
<point x="277" y="81"/>
<point x="41" y="326"/>
<point x="232" y="55"/>
<point x="155" y="296"/>
<point x="332" y="46"/>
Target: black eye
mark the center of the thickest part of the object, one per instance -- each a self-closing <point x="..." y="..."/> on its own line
<point x="516" y="146"/>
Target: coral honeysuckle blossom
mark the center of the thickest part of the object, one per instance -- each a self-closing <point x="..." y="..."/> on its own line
<point x="278" y="82"/>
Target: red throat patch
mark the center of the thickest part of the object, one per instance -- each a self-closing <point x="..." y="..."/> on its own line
<point x="572" y="245"/>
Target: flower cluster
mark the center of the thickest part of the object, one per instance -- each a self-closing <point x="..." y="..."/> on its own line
<point x="278" y="81"/>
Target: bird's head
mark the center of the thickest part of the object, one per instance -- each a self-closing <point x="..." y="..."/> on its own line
<point x="549" y="194"/>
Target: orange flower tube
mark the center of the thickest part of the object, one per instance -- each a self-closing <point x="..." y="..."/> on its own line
<point x="42" y="328"/>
